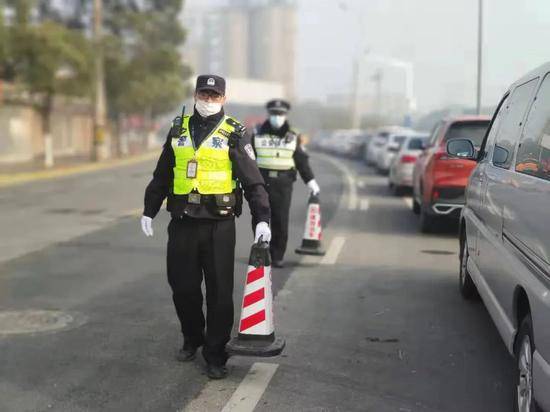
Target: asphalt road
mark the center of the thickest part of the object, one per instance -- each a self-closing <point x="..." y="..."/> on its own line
<point x="378" y="325"/>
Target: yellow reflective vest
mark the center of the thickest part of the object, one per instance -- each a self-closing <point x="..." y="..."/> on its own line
<point x="213" y="165"/>
<point x="275" y="152"/>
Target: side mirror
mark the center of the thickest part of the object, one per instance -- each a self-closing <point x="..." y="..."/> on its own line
<point x="461" y="148"/>
<point x="500" y="155"/>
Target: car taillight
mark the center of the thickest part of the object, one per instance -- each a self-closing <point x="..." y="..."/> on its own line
<point x="407" y="159"/>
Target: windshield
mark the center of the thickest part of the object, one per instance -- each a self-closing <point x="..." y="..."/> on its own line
<point x="474" y="131"/>
<point x="416" y="143"/>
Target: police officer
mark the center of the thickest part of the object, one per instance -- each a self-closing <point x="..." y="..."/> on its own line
<point x="206" y="163"/>
<point x="279" y="154"/>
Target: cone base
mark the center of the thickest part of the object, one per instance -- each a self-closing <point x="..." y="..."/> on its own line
<point x="310" y="251"/>
<point x="263" y="348"/>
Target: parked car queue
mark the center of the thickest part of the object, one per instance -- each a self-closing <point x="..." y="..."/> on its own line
<point x="492" y="175"/>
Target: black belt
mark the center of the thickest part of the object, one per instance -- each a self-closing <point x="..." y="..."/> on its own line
<point x="198" y="199"/>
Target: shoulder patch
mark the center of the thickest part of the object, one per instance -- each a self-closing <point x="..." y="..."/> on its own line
<point x="249" y="151"/>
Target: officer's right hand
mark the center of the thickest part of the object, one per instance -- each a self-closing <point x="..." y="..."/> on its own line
<point x="147" y="225"/>
<point x="262" y="231"/>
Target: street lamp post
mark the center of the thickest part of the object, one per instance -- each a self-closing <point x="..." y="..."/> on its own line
<point x="100" y="147"/>
<point x="479" y="56"/>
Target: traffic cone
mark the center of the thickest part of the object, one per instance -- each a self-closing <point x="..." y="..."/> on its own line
<point x="313" y="233"/>
<point x="256" y="331"/>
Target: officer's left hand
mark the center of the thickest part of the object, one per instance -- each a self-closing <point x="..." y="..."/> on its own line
<point x="314" y="187"/>
<point x="263" y="231"/>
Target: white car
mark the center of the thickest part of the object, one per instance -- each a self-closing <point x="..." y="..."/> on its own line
<point x="401" y="169"/>
<point x="387" y="152"/>
<point x="377" y="141"/>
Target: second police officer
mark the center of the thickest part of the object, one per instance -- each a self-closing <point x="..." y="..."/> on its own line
<point x="206" y="162"/>
<point x="279" y="154"/>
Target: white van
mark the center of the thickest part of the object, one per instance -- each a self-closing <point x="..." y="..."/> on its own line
<point x="505" y="231"/>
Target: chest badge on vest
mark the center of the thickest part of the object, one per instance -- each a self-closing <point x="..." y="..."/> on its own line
<point x="181" y="141"/>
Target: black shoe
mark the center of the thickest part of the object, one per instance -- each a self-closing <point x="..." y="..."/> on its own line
<point x="278" y="264"/>
<point x="216" y="371"/>
<point x="186" y="354"/>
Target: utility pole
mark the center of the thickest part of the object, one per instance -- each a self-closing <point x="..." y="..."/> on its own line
<point x="377" y="79"/>
<point x="479" y="56"/>
<point x="356" y="97"/>
<point x="100" y="144"/>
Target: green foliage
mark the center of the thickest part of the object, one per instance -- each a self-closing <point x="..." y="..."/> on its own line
<point x="142" y="54"/>
<point x="45" y="58"/>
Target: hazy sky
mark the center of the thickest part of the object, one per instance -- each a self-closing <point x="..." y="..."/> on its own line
<point x="438" y="36"/>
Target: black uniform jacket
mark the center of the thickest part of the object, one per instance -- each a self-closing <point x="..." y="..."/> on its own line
<point x="244" y="169"/>
<point x="301" y="158"/>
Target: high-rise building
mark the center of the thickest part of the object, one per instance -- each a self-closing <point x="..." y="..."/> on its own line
<point x="248" y="39"/>
<point x="272" y="30"/>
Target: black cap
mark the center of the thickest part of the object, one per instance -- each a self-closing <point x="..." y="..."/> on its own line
<point x="278" y="106"/>
<point x="211" y="82"/>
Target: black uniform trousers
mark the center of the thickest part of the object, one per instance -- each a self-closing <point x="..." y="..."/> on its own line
<point x="280" y="196"/>
<point x="200" y="248"/>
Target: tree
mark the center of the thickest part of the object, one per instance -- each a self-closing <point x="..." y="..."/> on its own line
<point x="48" y="59"/>
<point x="144" y="70"/>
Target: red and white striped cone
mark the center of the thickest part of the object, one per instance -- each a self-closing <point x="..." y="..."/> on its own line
<point x="313" y="233"/>
<point x="256" y="330"/>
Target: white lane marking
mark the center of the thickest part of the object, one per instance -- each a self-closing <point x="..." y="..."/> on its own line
<point x="251" y="389"/>
<point x="408" y="201"/>
<point x="364" y="204"/>
<point x="334" y="251"/>
<point x="351" y="181"/>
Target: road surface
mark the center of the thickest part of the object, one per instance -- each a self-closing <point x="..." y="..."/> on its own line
<point x="375" y="325"/>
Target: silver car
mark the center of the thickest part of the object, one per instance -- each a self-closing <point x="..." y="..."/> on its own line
<point x="401" y="169"/>
<point x="505" y="236"/>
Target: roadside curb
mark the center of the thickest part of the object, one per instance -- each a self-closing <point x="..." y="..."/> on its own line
<point x="15" y="179"/>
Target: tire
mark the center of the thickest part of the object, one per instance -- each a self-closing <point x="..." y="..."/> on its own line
<point x="416" y="206"/>
<point x="524" y="400"/>
<point x="466" y="285"/>
<point x="426" y="221"/>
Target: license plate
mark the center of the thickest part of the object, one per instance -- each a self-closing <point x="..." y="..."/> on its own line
<point x="273" y="173"/>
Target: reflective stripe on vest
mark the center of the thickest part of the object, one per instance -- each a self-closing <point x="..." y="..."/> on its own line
<point x="274" y="152"/>
<point x="214" y="169"/>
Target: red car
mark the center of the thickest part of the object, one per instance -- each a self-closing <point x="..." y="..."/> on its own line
<point x="439" y="182"/>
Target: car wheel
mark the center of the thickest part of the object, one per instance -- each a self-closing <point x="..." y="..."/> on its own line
<point x="416" y="207"/>
<point x="426" y="221"/>
<point x="524" y="400"/>
<point x="466" y="285"/>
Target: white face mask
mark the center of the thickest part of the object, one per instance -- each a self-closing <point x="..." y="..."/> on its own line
<point x="206" y="109"/>
<point x="277" y="120"/>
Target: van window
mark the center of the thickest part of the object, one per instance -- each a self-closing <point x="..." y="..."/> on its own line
<point x="534" y="152"/>
<point x="495" y="127"/>
<point x="511" y="126"/>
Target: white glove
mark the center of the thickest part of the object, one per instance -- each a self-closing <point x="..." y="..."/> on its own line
<point x="263" y="231"/>
<point x="314" y="187"/>
<point x="147" y="225"/>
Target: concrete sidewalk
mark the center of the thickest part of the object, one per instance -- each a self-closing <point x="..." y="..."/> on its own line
<point x="17" y="175"/>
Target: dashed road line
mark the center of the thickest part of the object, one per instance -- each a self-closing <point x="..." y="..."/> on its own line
<point x="333" y="251"/>
<point x="364" y="204"/>
<point x="251" y="389"/>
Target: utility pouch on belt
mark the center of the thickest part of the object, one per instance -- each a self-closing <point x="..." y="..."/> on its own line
<point x="223" y="205"/>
